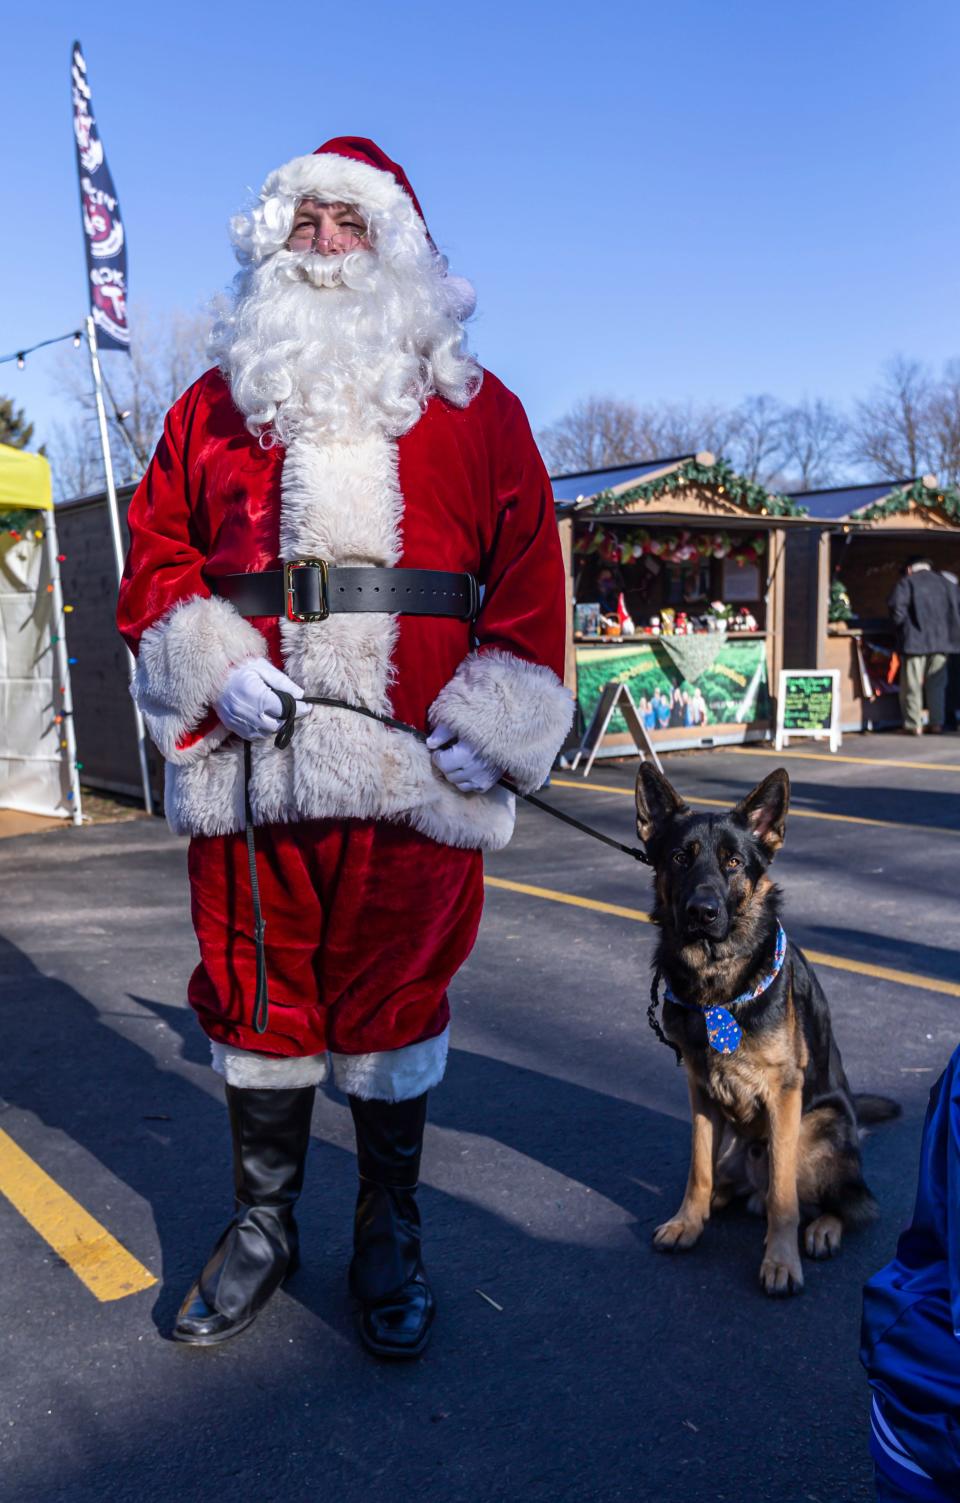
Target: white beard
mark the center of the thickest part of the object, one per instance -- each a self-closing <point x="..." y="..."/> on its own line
<point x="337" y="347"/>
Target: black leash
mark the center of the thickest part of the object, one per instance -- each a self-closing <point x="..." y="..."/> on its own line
<point x="282" y="740"/>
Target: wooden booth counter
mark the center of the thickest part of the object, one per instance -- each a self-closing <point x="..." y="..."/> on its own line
<point x="847" y="566"/>
<point x="676" y="546"/>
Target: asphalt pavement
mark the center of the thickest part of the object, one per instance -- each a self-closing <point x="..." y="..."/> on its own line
<point x="569" y="1361"/>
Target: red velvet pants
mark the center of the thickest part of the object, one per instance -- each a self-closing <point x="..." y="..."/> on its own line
<point x="366" y="924"/>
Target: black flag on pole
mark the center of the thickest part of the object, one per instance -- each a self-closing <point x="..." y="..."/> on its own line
<point x="102" y="227"/>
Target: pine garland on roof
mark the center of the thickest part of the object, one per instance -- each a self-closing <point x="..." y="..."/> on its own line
<point x="17" y="521"/>
<point x="719" y="477"/>
<point x="900" y="500"/>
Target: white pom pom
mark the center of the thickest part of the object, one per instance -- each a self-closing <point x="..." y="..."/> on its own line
<point x="462" y="296"/>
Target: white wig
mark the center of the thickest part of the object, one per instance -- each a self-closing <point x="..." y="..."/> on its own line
<point x="340" y="345"/>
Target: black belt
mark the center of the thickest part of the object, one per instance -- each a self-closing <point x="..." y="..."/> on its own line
<point x="310" y="589"/>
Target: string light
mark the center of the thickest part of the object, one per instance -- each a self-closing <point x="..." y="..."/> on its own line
<point x="20" y="356"/>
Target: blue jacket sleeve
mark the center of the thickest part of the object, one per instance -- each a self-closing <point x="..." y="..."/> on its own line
<point x="911" y="1309"/>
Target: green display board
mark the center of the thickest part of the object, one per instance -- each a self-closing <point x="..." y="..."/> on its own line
<point x="808" y="704"/>
<point x="722" y="682"/>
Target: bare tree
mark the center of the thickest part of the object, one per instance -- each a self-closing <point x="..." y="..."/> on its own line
<point x="603" y="431"/>
<point x="596" y="432"/>
<point x="76" y="462"/>
<point x="756" y="442"/>
<point x="944" y="423"/>
<point x="892" y="428"/>
<point x="813" y="440"/>
<point x="671" y="429"/>
<point x="166" y="354"/>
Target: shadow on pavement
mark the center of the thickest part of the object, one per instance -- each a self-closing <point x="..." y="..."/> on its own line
<point x="596" y="1379"/>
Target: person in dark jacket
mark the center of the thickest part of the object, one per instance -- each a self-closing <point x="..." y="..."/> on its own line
<point x="910" y="1343"/>
<point x="925" y="607"/>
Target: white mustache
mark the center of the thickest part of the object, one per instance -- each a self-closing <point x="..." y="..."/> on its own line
<point x="349" y="269"/>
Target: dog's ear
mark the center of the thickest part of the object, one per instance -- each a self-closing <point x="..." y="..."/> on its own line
<point x="764" y="811"/>
<point x="656" y="801"/>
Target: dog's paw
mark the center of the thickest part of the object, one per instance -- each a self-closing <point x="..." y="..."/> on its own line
<point x="675" y="1235"/>
<point x="822" y="1237"/>
<point x="781" y="1274"/>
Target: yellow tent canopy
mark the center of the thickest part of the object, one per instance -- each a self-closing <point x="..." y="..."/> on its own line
<point x="24" y="481"/>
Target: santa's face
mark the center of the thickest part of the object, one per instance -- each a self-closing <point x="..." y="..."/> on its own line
<point x="327" y="229"/>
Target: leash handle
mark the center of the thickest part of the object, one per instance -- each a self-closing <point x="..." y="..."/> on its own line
<point x="261" y="1005"/>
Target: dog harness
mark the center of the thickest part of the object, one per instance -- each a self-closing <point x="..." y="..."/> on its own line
<point x="723" y="1031"/>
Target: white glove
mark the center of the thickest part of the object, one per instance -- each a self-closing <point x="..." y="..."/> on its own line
<point x="248" y="705"/>
<point x="460" y="763"/>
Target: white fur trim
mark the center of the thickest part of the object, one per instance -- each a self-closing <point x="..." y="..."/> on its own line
<point x="514" y="713"/>
<point x="249" y="1070"/>
<point x="340" y="501"/>
<point x="334" y="178"/>
<point x="183" y="662"/>
<point x="393" y="1074"/>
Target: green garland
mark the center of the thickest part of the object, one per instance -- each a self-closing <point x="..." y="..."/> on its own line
<point x="901" y="500"/>
<point x="18" y="521"/>
<point x="719" y="477"/>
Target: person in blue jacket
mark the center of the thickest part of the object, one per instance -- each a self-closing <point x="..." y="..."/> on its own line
<point x="910" y="1342"/>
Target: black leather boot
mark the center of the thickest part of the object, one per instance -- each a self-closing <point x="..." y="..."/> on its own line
<point x="387" y="1274"/>
<point x="271" y="1133"/>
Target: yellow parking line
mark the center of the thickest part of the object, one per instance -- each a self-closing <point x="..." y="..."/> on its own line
<point x="795" y="813"/>
<point x="97" y="1258"/>
<point x="915" y="766"/>
<point x="568" y="897"/>
<point x="816" y="957"/>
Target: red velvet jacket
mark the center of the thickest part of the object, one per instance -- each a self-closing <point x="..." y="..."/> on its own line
<point x="465" y="489"/>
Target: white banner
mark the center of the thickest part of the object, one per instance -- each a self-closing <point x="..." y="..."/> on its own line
<point x="34" y="768"/>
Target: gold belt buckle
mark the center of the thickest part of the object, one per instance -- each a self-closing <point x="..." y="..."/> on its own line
<point x="320" y="564"/>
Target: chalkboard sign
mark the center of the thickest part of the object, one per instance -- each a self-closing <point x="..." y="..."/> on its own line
<point x="808" y="704"/>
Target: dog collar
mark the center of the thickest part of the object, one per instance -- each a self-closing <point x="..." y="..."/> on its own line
<point x="723" y="1031"/>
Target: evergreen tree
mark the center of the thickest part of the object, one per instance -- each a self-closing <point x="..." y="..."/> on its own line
<point x="14" y="430"/>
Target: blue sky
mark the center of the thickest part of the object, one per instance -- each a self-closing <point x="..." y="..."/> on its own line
<point x="699" y="199"/>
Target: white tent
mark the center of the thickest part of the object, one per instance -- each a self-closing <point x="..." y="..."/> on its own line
<point x="38" y="757"/>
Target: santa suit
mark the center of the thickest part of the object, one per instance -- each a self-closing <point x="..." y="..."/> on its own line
<point x="370" y="861"/>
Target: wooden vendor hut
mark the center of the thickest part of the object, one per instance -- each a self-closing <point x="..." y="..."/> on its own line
<point x="841" y="574"/>
<point x="677" y="590"/>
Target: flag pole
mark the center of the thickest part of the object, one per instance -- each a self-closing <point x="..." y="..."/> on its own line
<point x="117" y="538"/>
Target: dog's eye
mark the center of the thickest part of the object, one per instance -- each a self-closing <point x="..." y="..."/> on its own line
<point x="731" y="863"/>
<point x="680" y="857"/>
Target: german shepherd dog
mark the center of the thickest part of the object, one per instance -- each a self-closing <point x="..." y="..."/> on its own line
<point x="775" y="1119"/>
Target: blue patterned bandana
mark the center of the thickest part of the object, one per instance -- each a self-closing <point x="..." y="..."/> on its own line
<point x="723" y="1031"/>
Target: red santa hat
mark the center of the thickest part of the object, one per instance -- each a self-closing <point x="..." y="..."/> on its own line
<point x="362" y="149"/>
<point x="349" y="169"/>
<point x="345" y="169"/>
